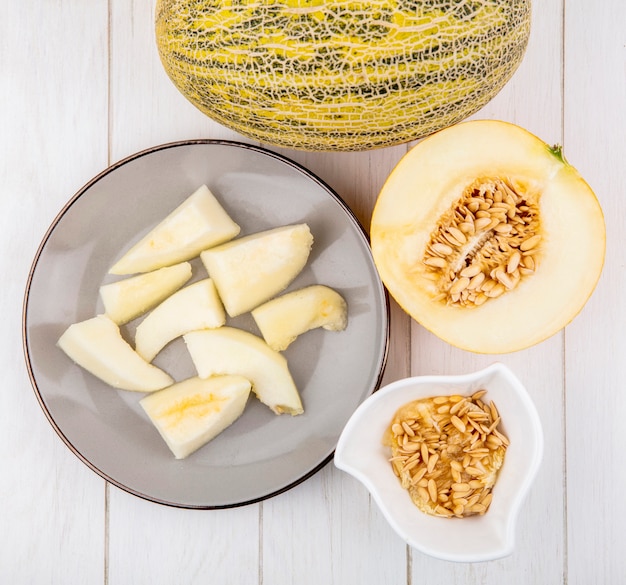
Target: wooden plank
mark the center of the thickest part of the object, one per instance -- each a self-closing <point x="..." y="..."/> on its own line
<point x="51" y="515"/>
<point x="146" y="107"/>
<point x="149" y="542"/>
<point x="595" y="126"/>
<point x="532" y="99"/>
<point x="329" y="530"/>
<point x="540" y="371"/>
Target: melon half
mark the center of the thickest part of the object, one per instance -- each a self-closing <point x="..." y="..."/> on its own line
<point x="487" y="237"/>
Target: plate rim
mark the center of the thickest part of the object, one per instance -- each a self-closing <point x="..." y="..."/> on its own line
<point x="82" y="191"/>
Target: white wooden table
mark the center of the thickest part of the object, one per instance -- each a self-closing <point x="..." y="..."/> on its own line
<point x="81" y="87"/>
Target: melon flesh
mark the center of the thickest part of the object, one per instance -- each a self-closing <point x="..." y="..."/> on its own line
<point x="196" y="306"/>
<point x="191" y="413"/>
<point x="428" y="182"/>
<point x="98" y="346"/>
<point x="196" y="224"/>
<point x="126" y="299"/>
<point x="282" y="319"/>
<point x="234" y="351"/>
<point x="250" y="270"/>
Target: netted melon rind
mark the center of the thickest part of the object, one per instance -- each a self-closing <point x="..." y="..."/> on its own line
<point x="340" y="75"/>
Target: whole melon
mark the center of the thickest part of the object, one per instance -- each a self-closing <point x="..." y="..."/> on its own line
<point x="340" y="74"/>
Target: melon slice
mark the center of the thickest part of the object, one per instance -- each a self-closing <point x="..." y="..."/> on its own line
<point x="196" y="224"/>
<point x="191" y="413"/>
<point x="124" y="300"/>
<point x="196" y="306"/>
<point x="487" y="237"/>
<point x="249" y="271"/>
<point x="282" y="319"/>
<point x="97" y="346"/>
<point x="228" y="350"/>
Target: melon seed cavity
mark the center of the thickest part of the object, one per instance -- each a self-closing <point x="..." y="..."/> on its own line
<point x="487" y="242"/>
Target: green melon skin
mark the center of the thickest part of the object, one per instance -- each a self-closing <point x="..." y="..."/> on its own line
<point x="340" y="75"/>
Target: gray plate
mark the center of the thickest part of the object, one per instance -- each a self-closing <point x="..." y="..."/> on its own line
<point x="261" y="454"/>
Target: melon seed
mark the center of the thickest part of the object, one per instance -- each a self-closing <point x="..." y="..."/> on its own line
<point x="484" y="244"/>
<point x="530" y="243"/>
<point x="454" y="472"/>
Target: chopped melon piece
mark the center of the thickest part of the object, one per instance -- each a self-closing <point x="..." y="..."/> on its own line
<point x="197" y="223"/>
<point x="191" y="413"/>
<point x="284" y="318"/>
<point x="251" y="270"/>
<point x="126" y="299"/>
<point x="196" y="306"/>
<point x="233" y="351"/>
<point x="97" y="346"/>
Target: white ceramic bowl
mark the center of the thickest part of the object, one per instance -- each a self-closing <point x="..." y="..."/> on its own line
<point x="360" y="453"/>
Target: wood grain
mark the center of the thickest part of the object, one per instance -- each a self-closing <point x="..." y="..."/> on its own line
<point x="595" y="126"/>
<point x="51" y="510"/>
<point x="147" y="110"/>
<point x="538" y="80"/>
<point x="338" y="523"/>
